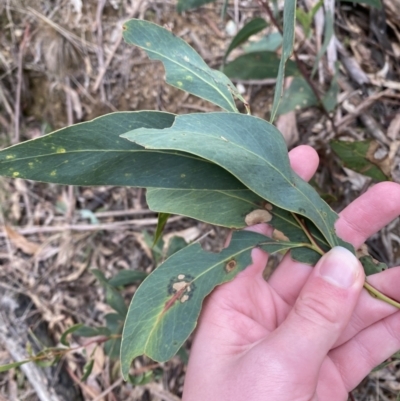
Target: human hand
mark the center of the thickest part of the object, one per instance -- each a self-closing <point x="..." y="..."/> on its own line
<point x="308" y="333"/>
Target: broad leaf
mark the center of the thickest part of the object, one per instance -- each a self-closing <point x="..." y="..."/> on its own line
<point x="252" y="150"/>
<point x="115" y="324"/>
<point x="127" y="277"/>
<point x="165" y="308"/>
<point x="223" y="208"/>
<point x="251" y="28"/>
<point x="357" y="156"/>
<point x="92" y="153"/>
<point x="184" y="68"/>
<point x="232" y="209"/>
<point x="257" y="65"/>
<point x="298" y="96"/>
<point x="289" y="22"/>
<point x="184" y="5"/>
<point x="371" y="266"/>
<point x="269" y="43"/>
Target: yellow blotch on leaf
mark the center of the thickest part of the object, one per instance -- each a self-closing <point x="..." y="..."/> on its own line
<point x="61" y="150"/>
<point x="9" y="157"/>
<point x="179" y="83"/>
<point x="53" y="173"/>
<point x="258" y="216"/>
<point x="279" y="236"/>
<point x="15" y="174"/>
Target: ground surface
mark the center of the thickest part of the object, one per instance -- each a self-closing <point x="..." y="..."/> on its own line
<point x="53" y="56"/>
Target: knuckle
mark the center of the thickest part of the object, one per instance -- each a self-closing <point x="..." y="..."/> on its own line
<point x="317" y="311"/>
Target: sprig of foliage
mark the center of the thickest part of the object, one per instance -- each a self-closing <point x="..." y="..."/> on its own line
<point x="225" y="168"/>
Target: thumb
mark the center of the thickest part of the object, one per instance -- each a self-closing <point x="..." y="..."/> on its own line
<point x="322" y="310"/>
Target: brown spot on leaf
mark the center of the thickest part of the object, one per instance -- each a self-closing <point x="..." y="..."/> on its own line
<point x="258" y="216"/>
<point x="268" y="206"/>
<point x="382" y="161"/>
<point x="181" y="289"/>
<point x="184" y="298"/>
<point x="230" y="265"/>
<point x="279" y="236"/>
<point x="179" y="286"/>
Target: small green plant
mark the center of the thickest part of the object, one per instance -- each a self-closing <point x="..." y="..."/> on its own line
<point x="225" y="168"/>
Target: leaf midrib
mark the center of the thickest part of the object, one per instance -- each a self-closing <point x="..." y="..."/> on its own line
<point x="190" y="156"/>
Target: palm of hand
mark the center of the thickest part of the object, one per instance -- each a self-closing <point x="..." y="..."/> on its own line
<point x="241" y="317"/>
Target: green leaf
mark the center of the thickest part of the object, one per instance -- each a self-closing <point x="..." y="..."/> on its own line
<point x="328" y="33"/>
<point x="289" y="22"/>
<point x="162" y="221"/>
<point x="113" y="297"/>
<point x="175" y="244"/>
<point x="299" y="95"/>
<point x="374" y="3"/>
<point x="306" y="19"/>
<point x="92" y="153"/>
<point x="141" y="379"/>
<point x="5" y="368"/>
<point x="184" y="68"/>
<point x="184" y="5"/>
<point x="269" y="43"/>
<point x="357" y="156"/>
<point x="116" y="301"/>
<point x="127" y="277"/>
<point x="370" y="266"/>
<point x="330" y="99"/>
<point x="87" y="369"/>
<point x="72" y="329"/>
<point x="165" y="308"/>
<point x="251" y="28"/>
<point x="252" y="150"/>
<point x="183" y="355"/>
<point x="115" y="324"/>
<point x="219" y="207"/>
<point x="229" y="209"/>
<point x="86" y="331"/>
<point x="257" y="65"/>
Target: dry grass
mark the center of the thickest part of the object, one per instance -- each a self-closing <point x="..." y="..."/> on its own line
<point x="62" y="62"/>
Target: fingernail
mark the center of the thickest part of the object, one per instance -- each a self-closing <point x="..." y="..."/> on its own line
<point x="339" y="267"/>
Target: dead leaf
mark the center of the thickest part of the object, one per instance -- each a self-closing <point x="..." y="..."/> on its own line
<point x="287" y="123"/>
<point x="393" y="131"/>
<point x="383" y="163"/>
<point x="30" y="248"/>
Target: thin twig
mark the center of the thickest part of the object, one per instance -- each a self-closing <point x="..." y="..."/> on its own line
<point x="104" y="68"/>
<point x="87" y="227"/>
<point x="17" y="106"/>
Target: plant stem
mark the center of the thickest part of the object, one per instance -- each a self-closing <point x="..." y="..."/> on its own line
<point x="371" y="290"/>
<point x="314" y="244"/>
<point x="302" y="68"/>
<point x="377" y="294"/>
